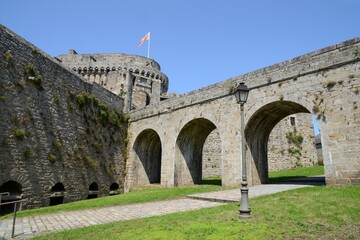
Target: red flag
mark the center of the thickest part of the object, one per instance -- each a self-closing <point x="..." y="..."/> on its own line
<point x="145" y="38"/>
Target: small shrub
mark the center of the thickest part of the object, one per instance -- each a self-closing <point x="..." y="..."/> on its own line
<point x="27" y="153"/>
<point x="122" y="93"/>
<point x="57" y="145"/>
<point x="20" y="85"/>
<point x="357" y="52"/>
<point x="330" y="84"/>
<point x="294" y="151"/>
<point x="90" y="162"/>
<point x="295" y="138"/>
<point x="70" y="106"/>
<point x="298" y="164"/>
<point x="351" y="76"/>
<point x="9" y="59"/>
<point x="231" y="88"/>
<point x="84" y="98"/>
<point x="57" y="99"/>
<point x="33" y="76"/>
<point x="78" y="157"/>
<point x="34" y="50"/>
<point x="98" y="147"/>
<point x="110" y="170"/>
<point x="2" y="98"/>
<point x="29" y="70"/>
<point x="104" y="116"/>
<point x="20" y="134"/>
<point x="51" y="157"/>
<point x="316" y="109"/>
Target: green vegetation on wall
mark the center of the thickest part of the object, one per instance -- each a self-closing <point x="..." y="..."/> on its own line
<point x="106" y="115"/>
<point x="9" y="59"/>
<point x="295" y="141"/>
<point x="106" y="128"/>
<point x="33" y="76"/>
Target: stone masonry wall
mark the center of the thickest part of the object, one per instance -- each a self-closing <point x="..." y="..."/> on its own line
<point x="211" y="159"/>
<point x="56" y="128"/>
<point x="282" y="155"/>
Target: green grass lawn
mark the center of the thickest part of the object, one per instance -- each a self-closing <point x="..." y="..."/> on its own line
<point x="144" y="195"/>
<point x="157" y="193"/>
<point x="308" y="213"/>
<point x="280" y="176"/>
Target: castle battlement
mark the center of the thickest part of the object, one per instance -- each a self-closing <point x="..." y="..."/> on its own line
<point x="138" y="79"/>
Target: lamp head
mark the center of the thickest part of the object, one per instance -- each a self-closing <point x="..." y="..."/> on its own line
<point x="241" y="93"/>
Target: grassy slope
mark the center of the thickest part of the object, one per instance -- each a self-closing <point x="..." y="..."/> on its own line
<point x="157" y="193"/>
<point x="309" y="213"/>
<point x="143" y="195"/>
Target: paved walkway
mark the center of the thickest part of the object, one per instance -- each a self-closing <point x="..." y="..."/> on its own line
<point x="27" y="227"/>
<point x="259" y="190"/>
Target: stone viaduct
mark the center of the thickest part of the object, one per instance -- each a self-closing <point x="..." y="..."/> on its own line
<point x="166" y="139"/>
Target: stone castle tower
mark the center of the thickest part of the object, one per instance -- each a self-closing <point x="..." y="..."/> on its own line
<point x="137" y="79"/>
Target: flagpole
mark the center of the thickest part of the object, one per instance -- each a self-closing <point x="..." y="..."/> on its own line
<point x="149" y="47"/>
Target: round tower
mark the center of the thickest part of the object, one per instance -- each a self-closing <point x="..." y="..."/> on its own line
<point x="137" y="79"/>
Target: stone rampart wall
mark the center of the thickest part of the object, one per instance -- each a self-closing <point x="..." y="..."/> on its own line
<point x="56" y="128"/>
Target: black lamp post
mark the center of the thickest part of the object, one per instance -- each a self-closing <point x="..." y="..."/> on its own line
<point x="241" y="95"/>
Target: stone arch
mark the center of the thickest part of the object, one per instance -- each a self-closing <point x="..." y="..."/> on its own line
<point x="58" y="187"/>
<point x="14" y="188"/>
<point x="93" y="190"/>
<point x="189" y="149"/>
<point x="13" y="192"/>
<point x="147" y="149"/>
<point x="57" y="196"/>
<point x="94" y="187"/>
<point x="114" y="189"/>
<point x="258" y="129"/>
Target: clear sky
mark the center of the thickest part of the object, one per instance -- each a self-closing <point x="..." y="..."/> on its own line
<point x="196" y="42"/>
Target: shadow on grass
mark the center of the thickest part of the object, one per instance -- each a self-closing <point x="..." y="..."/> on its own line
<point x="283" y="179"/>
<point x="211" y="181"/>
<point x="273" y="180"/>
<point x="304" y="180"/>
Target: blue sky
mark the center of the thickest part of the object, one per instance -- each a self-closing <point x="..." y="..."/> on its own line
<point x="196" y="42"/>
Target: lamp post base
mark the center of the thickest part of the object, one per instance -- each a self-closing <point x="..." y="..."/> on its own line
<point x="244" y="210"/>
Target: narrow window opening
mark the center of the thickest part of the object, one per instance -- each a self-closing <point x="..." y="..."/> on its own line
<point x="292" y="121"/>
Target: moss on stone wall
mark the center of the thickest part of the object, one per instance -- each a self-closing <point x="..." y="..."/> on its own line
<point x="55" y="127"/>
